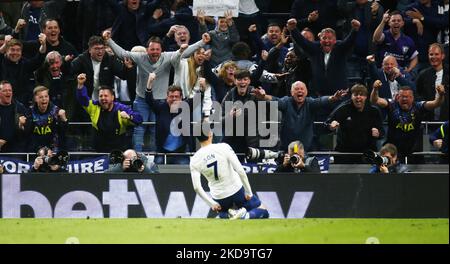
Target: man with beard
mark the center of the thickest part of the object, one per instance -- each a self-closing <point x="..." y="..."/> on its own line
<point x="274" y="37"/>
<point x="405" y="116"/>
<point x="100" y="69"/>
<point x="110" y="119"/>
<point x="359" y="125"/>
<point x="296" y="67"/>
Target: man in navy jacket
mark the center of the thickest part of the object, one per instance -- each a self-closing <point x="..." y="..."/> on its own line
<point x="166" y="142"/>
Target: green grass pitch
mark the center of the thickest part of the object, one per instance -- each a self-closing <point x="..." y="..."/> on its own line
<point x="205" y="231"/>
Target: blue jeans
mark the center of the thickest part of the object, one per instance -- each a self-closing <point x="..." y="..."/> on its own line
<point x="141" y="106"/>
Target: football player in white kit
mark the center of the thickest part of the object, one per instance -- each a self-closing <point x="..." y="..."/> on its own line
<point x="227" y="181"/>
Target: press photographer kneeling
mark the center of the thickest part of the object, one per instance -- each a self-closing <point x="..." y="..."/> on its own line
<point x="130" y="161"/>
<point x="386" y="161"/>
<point x="49" y="161"/>
<point x="295" y="160"/>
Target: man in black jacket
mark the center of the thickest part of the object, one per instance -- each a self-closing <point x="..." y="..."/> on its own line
<point x="328" y="65"/>
<point x="359" y="123"/>
<point x="55" y="42"/>
<point x="327" y="57"/>
<point x="99" y="67"/>
<point x="166" y="111"/>
<point x="12" y="120"/>
<point x="241" y="103"/>
<point x="429" y="78"/>
<point x="19" y="70"/>
<point x="59" y="82"/>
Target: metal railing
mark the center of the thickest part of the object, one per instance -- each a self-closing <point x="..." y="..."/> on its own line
<point x="28" y="155"/>
<point x="426" y="123"/>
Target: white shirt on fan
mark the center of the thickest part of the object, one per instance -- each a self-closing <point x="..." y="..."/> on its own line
<point x="439" y="76"/>
<point x="96" y="68"/>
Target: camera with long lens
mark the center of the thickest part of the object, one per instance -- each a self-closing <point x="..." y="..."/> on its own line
<point x="376" y="159"/>
<point x="255" y="155"/>
<point x="61" y="158"/>
<point x="117" y="157"/>
<point x="136" y="164"/>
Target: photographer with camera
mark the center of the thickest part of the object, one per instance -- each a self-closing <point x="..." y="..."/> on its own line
<point x="295" y="160"/>
<point x="386" y="161"/>
<point x="130" y="161"/>
<point x="49" y="161"/>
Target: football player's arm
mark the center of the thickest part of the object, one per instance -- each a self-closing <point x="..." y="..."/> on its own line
<point x="196" y="181"/>
<point x="236" y="164"/>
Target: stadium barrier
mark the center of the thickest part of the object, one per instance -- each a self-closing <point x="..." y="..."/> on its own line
<point x="172" y="196"/>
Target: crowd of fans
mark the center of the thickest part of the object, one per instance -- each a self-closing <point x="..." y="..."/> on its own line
<point x="353" y="65"/>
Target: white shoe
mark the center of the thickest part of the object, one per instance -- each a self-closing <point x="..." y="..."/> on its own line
<point x="237" y="214"/>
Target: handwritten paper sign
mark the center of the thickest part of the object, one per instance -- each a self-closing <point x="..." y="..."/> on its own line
<point x="216" y="7"/>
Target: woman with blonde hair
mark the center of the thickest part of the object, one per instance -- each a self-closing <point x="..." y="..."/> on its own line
<point x="189" y="75"/>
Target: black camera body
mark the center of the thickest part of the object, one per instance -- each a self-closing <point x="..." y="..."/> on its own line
<point x="376" y="159"/>
<point x="117" y="157"/>
<point x="61" y="158"/>
<point x="136" y="164"/>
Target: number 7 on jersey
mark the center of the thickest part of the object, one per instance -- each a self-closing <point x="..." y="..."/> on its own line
<point x="214" y="164"/>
